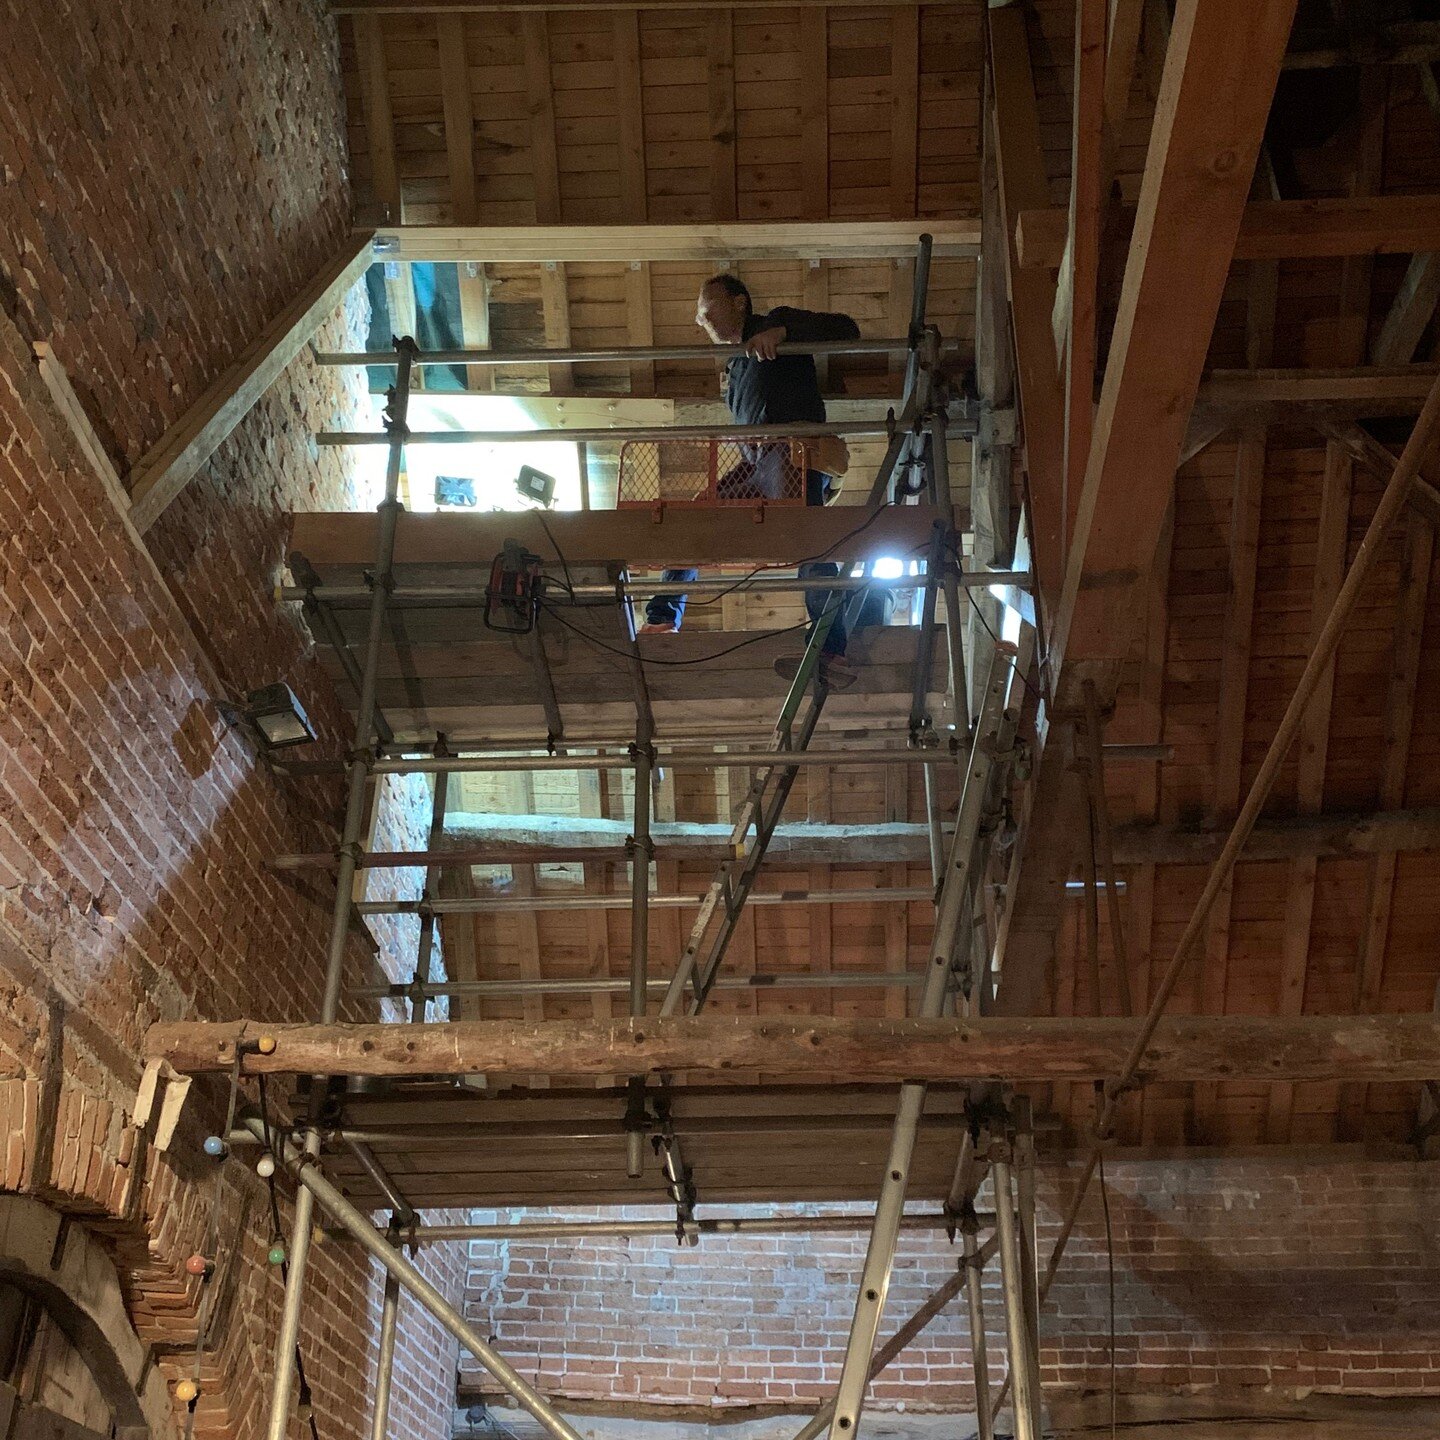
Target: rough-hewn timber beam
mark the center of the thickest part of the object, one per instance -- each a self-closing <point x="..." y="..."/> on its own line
<point x="703" y="244"/>
<point x="1311" y="1047"/>
<point x="557" y="839"/>
<point x="1278" y="229"/>
<point x="1385" y="832"/>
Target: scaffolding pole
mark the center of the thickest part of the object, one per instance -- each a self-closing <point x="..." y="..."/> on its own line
<point x="350" y="849"/>
<point x="413" y="595"/>
<point x="501" y="904"/>
<point x="624" y="434"/>
<point x="975" y="1303"/>
<point x="385" y="1366"/>
<point x="510" y="989"/>
<point x="617" y="354"/>
<point x="676" y="759"/>
<point x="425" y="948"/>
<point x="992" y="741"/>
<point x="1017" y="1314"/>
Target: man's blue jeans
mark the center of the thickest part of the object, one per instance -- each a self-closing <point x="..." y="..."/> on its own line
<point x="669" y="608"/>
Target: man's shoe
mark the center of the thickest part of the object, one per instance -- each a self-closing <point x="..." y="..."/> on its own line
<point x="664" y="628"/>
<point x="836" y="672"/>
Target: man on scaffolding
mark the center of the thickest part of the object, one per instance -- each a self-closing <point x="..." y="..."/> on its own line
<point x="763" y="387"/>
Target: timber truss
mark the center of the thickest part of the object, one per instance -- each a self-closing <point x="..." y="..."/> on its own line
<point x="1092" y="525"/>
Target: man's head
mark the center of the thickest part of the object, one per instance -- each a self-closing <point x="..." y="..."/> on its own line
<point x="722" y="309"/>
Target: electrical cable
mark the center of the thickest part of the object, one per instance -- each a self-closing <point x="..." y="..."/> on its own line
<point x="560" y="554"/>
<point x="745" y="579"/>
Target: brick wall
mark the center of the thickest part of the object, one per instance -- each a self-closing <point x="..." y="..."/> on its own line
<point x="1234" y="1273"/>
<point x="170" y="176"/>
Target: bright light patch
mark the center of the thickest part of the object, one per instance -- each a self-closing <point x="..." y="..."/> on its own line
<point x="492" y="468"/>
<point x="888" y="568"/>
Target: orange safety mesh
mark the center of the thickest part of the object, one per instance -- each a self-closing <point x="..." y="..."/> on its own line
<point x="713" y="472"/>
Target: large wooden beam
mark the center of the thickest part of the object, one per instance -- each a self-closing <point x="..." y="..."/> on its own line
<point x="1278" y="229"/>
<point x="677" y="536"/>
<point x="471" y="839"/>
<point x="168" y="467"/>
<point x="1221" y="65"/>
<point x="1015" y="138"/>
<point x="1365" y="389"/>
<point x="1220" y="73"/>
<point x="1313" y="1047"/>
<point x="702" y="244"/>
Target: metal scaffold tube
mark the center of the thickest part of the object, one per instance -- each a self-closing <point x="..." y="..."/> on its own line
<point x="502" y="904"/>
<point x="385" y="1366"/>
<point x="314" y="1184"/>
<point x="975" y="1300"/>
<point x="676" y="759"/>
<point x="450" y="594"/>
<point x="1017" y="1313"/>
<point x="638" y="1229"/>
<point x="508" y="989"/>
<point x="617" y="354"/>
<point x="359" y="775"/>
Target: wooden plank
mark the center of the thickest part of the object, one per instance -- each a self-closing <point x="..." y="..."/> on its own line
<point x="634" y="191"/>
<point x="695" y="536"/>
<point x="1277" y="229"/>
<point x="1410" y="312"/>
<point x="640" y="324"/>
<point x="815" y="114"/>
<point x="555" y="311"/>
<point x="1405" y="651"/>
<point x="720" y="85"/>
<point x="1020" y="169"/>
<point x="630" y="93"/>
<point x="1220" y="73"/>
<point x="458" y="115"/>
<point x="709" y="243"/>
<point x="1232" y="711"/>
<point x="904" y="109"/>
<point x="815" y="295"/>
<point x="170" y="464"/>
<point x="1345" y="345"/>
<point x="1388" y="1048"/>
<point x="474" y="286"/>
<point x="540" y="105"/>
<point x="991" y="456"/>
<point x="379" y="121"/>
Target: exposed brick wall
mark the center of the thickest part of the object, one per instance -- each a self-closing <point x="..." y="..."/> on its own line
<point x="1230" y="1273"/>
<point x="170" y="176"/>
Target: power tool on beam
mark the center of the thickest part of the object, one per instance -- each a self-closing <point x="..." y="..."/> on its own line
<point x="512" y="598"/>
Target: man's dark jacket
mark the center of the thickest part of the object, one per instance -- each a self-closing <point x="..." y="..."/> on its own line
<point x="784" y="390"/>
